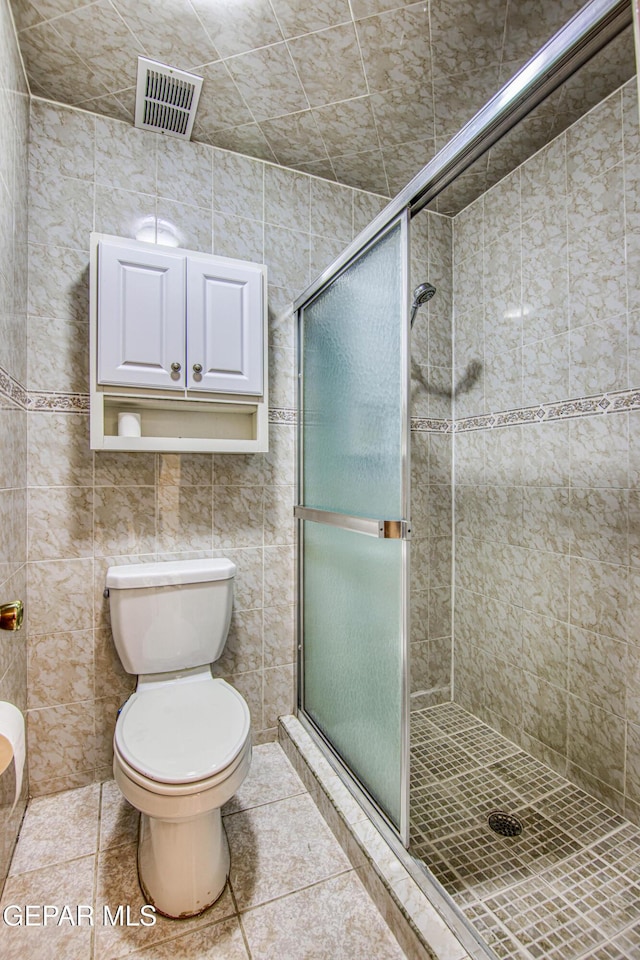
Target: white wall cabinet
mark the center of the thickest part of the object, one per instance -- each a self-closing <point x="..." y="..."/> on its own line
<point x="224" y="326"/>
<point x="141" y="315"/>
<point x="178" y="337"/>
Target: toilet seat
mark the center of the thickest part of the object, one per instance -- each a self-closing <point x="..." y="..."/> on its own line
<point x="183" y="732"/>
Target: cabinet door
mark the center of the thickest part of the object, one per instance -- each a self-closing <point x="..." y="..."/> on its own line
<point x="224" y="326"/>
<point x="141" y="306"/>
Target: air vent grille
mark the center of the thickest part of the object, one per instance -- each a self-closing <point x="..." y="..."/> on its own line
<point x="166" y="99"/>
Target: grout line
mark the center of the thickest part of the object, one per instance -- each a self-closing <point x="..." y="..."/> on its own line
<point x="266" y="803"/>
<point x="148" y="950"/>
<point x="66" y="49"/>
<point x="237" y="915"/>
<point x="283" y="896"/>
<point x="56" y="863"/>
<point x="18" y="49"/>
<point x="542" y="876"/>
<point x="92" y="942"/>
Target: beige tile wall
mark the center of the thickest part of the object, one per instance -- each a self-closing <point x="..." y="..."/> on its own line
<point x="431" y="490"/>
<point x="87" y="511"/>
<point x="547" y="632"/>
<point x="14" y="119"/>
<point x="362" y="92"/>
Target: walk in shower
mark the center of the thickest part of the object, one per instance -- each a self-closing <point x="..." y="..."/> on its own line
<point x="469" y="509"/>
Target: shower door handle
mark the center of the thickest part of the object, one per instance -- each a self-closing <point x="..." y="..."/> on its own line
<point x="383" y="529"/>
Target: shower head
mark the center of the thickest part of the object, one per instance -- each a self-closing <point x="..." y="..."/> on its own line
<point x="422" y="294"/>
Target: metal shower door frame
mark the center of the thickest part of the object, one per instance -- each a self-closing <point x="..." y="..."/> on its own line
<point x="385" y="528"/>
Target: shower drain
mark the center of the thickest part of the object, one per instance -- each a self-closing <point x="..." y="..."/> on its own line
<point x="505" y="823"/>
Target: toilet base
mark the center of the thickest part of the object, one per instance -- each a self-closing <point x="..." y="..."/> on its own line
<point x="183" y="865"/>
<point x="183" y="854"/>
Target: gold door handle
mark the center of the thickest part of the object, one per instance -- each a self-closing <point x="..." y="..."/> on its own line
<point x="11" y="615"/>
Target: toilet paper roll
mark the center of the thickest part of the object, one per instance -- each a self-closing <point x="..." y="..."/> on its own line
<point x="12" y="743"/>
<point x="129" y="425"/>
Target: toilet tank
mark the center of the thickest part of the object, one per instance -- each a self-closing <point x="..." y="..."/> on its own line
<point x="170" y="615"/>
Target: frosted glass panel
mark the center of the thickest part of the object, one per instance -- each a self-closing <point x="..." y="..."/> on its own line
<point x="352" y="388"/>
<point x="353" y="598"/>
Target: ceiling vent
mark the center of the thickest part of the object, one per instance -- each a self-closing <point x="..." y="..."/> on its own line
<point x="166" y="99"/>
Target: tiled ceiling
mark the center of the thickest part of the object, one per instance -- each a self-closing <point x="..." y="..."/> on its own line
<point x="595" y="80"/>
<point x="359" y="91"/>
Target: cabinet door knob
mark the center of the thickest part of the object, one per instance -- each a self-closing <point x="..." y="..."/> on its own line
<point x="197" y="368"/>
<point x="176" y="367"/>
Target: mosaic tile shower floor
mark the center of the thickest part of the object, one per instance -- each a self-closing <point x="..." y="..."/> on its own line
<point x="567" y="888"/>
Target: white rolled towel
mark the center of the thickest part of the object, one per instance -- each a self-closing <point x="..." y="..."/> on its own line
<point x="129" y="424"/>
<point x="12" y="743"/>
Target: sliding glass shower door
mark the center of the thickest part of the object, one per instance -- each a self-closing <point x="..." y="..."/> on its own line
<point x="353" y="512"/>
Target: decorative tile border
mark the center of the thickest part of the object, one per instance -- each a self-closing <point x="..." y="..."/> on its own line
<point x="58" y="402"/>
<point x="10" y="389"/>
<point x="486" y="421"/>
<point x="282" y="415"/>
<point x="50" y="402"/>
<point x="625" y="400"/>
<point x="426" y="425"/>
<point x="616" y="402"/>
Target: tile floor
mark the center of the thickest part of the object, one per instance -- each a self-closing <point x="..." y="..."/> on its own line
<point x="418" y="923"/>
<point x="568" y="887"/>
<point x="292" y="894"/>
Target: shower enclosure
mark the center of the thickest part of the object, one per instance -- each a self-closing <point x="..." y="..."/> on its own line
<point x="468" y="500"/>
<point x="354" y="504"/>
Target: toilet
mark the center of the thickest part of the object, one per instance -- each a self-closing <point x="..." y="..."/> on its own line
<point x="182" y="743"/>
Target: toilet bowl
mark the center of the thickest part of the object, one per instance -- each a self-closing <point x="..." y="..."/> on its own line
<point x="182" y="741"/>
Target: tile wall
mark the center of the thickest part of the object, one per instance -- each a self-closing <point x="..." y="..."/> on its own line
<point x="547" y="500"/>
<point x="89" y="510"/>
<point x="361" y="92"/>
<point x="14" y="120"/>
<point x="544" y="267"/>
<point x="431" y="448"/>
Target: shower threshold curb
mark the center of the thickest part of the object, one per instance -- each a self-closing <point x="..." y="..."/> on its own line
<point x="412" y="918"/>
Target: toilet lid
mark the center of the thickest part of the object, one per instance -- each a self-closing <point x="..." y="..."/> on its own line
<point x="183" y="731"/>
